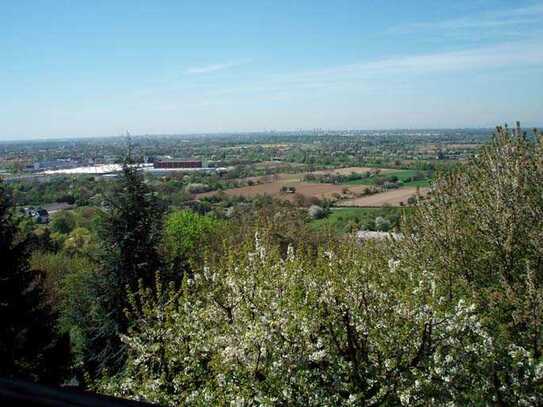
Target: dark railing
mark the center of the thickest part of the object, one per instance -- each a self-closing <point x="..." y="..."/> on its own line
<point x="19" y="393"/>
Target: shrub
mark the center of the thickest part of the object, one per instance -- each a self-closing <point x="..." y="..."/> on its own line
<point x="197" y="188"/>
<point x="69" y="199"/>
<point x="316" y="212"/>
<point x="382" y="224"/>
<point x="63" y="222"/>
<point x="186" y="233"/>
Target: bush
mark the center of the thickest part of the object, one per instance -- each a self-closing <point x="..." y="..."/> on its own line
<point x="69" y="199"/>
<point x="186" y="233"/>
<point x="63" y="222"/>
<point x="197" y="188"/>
<point x="316" y="212"/>
<point x="382" y="224"/>
<point x="80" y="241"/>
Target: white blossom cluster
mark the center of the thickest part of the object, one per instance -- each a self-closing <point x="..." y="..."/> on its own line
<point x="336" y="330"/>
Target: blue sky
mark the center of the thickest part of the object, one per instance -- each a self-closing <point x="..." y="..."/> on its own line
<point x="99" y="68"/>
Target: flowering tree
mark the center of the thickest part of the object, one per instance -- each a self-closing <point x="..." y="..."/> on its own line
<point x="480" y="236"/>
<point x="450" y="314"/>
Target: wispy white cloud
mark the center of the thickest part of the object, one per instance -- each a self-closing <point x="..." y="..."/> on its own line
<point x="216" y="67"/>
<point x="485" y="57"/>
<point x="517" y="18"/>
<point x="400" y="73"/>
<point x="515" y="54"/>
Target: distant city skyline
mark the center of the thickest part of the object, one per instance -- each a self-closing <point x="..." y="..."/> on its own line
<point x="97" y="69"/>
<point x="341" y="132"/>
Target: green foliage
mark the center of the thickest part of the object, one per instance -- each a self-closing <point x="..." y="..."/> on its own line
<point x="29" y="345"/>
<point x="71" y="190"/>
<point x="70" y="281"/>
<point x="63" y="222"/>
<point x="87" y="217"/>
<point x="80" y="241"/>
<point x="186" y="233"/>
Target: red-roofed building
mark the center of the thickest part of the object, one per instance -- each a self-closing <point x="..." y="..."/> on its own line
<point x="178" y="164"/>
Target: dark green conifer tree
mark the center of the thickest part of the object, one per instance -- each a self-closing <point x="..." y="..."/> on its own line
<point x="130" y="235"/>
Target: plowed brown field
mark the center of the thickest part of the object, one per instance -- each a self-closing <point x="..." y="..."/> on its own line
<point x="392" y="198"/>
<point x="274" y="188"/>
<point x="272" y="184"/>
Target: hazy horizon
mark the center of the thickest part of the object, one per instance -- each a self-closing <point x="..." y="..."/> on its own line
<point x="80" y="70"/>
<point x="267" y="132"/>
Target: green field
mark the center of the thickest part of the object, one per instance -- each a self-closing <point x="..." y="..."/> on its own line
<point x="419" y="183"/>
<point x="342" y="220"/>
<point x="363" y="181"/>
<point x="403" y="175"/>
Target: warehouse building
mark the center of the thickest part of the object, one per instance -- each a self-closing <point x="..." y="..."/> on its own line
<point x="178" y="164"/>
